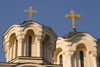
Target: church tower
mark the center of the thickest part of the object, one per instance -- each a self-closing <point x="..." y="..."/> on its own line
<point x="29" y="40"/>
<point x="77" y="49"/>
<point x="31" y="44"/>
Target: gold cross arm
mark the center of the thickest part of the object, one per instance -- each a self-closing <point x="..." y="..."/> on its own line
<point x="73" y="16"/>
<point x="30" y="12"/>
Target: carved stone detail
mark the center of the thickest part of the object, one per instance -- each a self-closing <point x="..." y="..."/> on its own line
<point x="69" y="54"/>
<point x="94" y="55"/>
<point x="7" y="44"/>
<point x="39" y="38"/>
<point x="21" y="37"/>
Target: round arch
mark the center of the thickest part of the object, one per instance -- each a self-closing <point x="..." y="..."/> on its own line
<point x="35" y="30"/>
<point x="49" y="34"/>
<point x="87" y="44"/>
<point x="56" y="52"/>
<point x="10" y="33"/>
<point x="12" y="37"/>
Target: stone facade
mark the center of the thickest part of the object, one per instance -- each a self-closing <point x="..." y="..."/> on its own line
<point x="31" y="44"/>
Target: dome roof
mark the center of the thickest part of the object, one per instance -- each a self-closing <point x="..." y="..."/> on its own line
<point x="71" y="34"/>
<point x="28" y="21"/>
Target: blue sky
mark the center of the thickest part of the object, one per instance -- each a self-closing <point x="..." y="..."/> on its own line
<point x="51" y="13"/>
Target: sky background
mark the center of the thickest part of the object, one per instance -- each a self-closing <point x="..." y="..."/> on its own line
<point x="51" y="13"/>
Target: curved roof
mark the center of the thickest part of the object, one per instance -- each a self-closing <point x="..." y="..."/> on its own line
<point x="71" y="34"/>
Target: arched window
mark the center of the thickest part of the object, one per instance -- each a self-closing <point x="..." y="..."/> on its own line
<point x="82" y="58"/>
<point x="30" y="43"/>
<point x="16" y="49"/>
<point x="60" y="59"/>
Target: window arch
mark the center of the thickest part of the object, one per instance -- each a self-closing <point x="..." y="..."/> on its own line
<point x="46" y="51"/>
<point x="12" y="46"/>
<point x="30" y="43"/>
<point x="60" y="59"/>
<point x="82" y="58"/>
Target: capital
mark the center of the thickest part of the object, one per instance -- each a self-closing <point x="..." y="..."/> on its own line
<point x="39" y="38"/>
<point x="94" y="55"/>
<point x="20" y="37"/>
<point x="51" y="47"/>
<point x="69" y="54"/>
<point x="7" y="45"/>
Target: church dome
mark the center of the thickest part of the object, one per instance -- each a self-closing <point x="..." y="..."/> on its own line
<point x="71" y="34"/>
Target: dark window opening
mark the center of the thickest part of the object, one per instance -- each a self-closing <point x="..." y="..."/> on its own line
<point x="16" y="47"/>
<point x="30" y="42"/>
<point x="61" y="60"/>
<point x="82" y="58"/>
<point x="99" y="60"/>
<point x="43" y="50"/>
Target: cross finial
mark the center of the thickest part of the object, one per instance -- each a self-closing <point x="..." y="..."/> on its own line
<point x="30" y="12"/>
<point x="73" y="16"/>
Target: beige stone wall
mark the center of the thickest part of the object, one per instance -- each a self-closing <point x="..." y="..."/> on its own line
<point x="71" y="47"/>
<point x="16" y="41"/>
<point x="46" y="44"/>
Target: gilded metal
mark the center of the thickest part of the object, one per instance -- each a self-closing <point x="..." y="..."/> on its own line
<point x="73" y="16"/>
<point x="30" y="12"/>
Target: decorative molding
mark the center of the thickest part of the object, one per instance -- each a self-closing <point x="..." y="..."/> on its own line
<point x="94" y="55"/>
<point x="69" y="54"/>
<point x="39" y="38"/>
<point x="21" y="29"/>
<point x="20" y="37"/>
<point x="7" y="45"/>
<point x="68" y="43"/>
<point x="51" y="47"/>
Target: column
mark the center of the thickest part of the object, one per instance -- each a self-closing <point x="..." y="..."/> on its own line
<point x="69" y="55"/>
<point x="39" y="50"/>
<point x="8" y="51"/>
<point x="25" y="49"/>
<point x="14" y="49"/>
<point x="20" y="39"/>
<point x="50" y="56"/>
<point x="94" y="56"/>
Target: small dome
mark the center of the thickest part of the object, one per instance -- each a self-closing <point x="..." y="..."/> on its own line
<point x="71" y="34"/>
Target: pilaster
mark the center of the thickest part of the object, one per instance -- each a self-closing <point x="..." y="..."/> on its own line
<point x="94" y="56"/>
<point x="69" y="55"/>
<point x="20" y="39"/>
<point x="8" y="50"/>
<point x="51" y="48"/>
<point x="39" y="42"/>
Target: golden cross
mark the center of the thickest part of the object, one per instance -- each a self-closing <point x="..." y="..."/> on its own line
<point x="30" y="12"/>
<point x="73" y="16"/>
